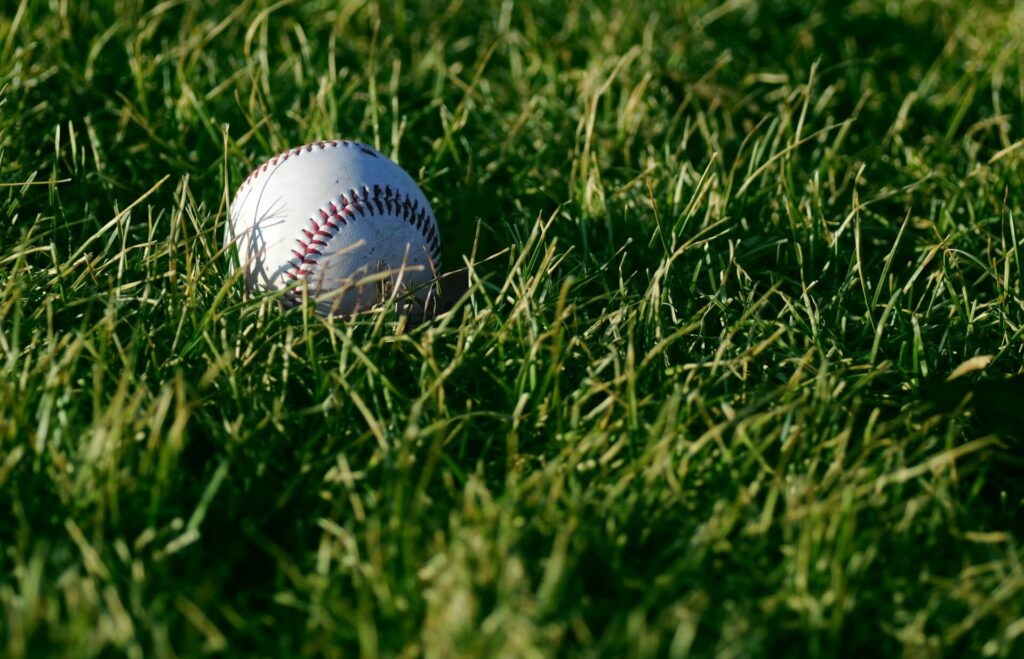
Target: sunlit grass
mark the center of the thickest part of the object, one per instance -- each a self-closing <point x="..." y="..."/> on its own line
<point x="722" y="259"/>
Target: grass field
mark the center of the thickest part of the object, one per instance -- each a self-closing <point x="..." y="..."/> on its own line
<point x="694" y="406"/>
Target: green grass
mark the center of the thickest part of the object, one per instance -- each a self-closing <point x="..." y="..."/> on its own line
<point x="685" y="413"/>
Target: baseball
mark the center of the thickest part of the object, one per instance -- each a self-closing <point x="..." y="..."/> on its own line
<point x="337" y="221"/>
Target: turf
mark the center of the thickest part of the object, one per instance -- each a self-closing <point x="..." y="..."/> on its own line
<point x="693" y="405"/>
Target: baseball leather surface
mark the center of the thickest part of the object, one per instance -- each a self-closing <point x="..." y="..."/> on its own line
<point x="338" y="222"/>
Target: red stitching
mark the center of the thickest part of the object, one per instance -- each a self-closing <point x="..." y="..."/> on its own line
<point x="347" y="208"/>
<point x="352" y="206"/>
<point x="299" y="150"/>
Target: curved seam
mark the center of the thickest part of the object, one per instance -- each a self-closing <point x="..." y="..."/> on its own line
<point x="298" y="151"/>
<point x="329" y="221"/>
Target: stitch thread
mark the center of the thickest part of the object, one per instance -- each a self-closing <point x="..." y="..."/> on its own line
<point x="329" y="221"/>
<point x="306" y="148"/>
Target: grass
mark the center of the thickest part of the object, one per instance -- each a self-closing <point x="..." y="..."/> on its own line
<point x="694" y="407"/>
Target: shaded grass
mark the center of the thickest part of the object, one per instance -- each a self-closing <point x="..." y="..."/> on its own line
<point x="683" y="414"/>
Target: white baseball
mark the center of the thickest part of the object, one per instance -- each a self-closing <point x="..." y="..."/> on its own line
<point x="339" y="219"/>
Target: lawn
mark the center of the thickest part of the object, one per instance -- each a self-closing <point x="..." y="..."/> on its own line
<point x="723" y="259"/>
